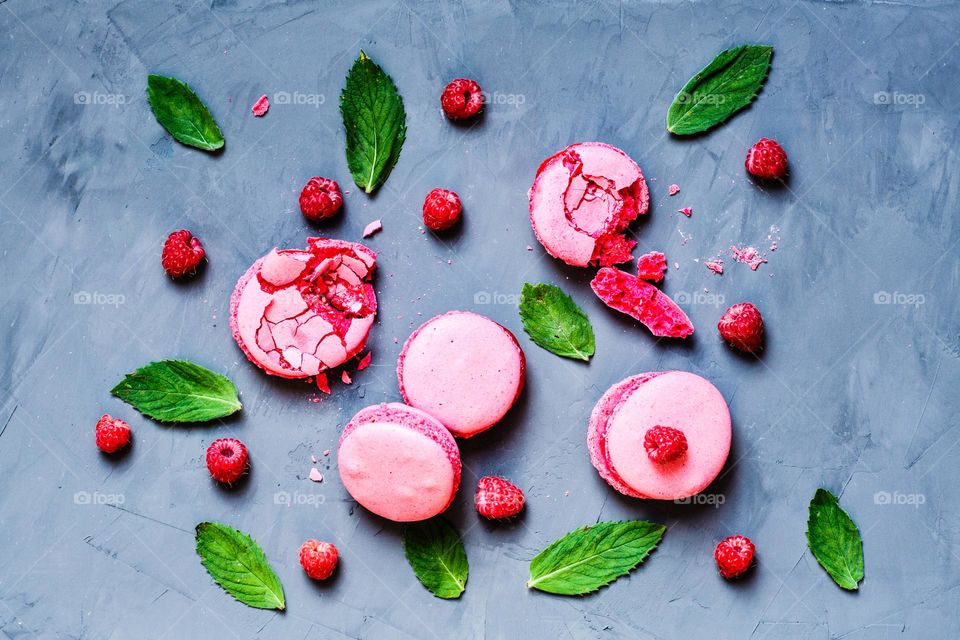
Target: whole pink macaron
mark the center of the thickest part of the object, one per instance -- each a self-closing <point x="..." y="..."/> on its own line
<point x="622" y="446"/>
<point x="399" y="462"/>
<point x="582" y="201"/>
<point x="296" y="313"/>
<point x="462" y="368"/>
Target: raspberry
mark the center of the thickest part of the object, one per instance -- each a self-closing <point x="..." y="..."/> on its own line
<point x="461" y="99"/>
<point x="112" y="434"/>
<point x="742" y="327"/>
<point x="318" y="559"/>
<point x="767" y="159"/>
<point x="227" y="460"/>
<point x="441" y="209"/>
<point x="734" y="556"/>
<point x="497" y="498"/>
<point x="320" y="198"/>
<point x="664" y="444"/>
<point x="182" y="254"/>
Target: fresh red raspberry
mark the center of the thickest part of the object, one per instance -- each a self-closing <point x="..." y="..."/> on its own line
<point x="497" y="498"/>
<point x="182" y="254"/>
<point x="112" y="434"/>
<point x="318" y="559"/>
<point x="767" y="159"/>
<point x="441" y="209"/>
<point x="742" y="327"/>
<point x="734" y="556"/>
<point x="227" y="459"/>
<point x="461" y="99"/>
<point x="320" y="198"/>
<point x="664" y="444"/>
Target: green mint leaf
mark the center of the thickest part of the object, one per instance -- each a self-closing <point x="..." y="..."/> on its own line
<point x="435" y="552"/>
<point x="586" y="559"/>
<point x="720" y="89"/>
<point x="375" y="122"/>
<point x="835" y="540"/>
<point x="178" y="391"/>
<point x="179" y="110"/>
<point x="555" y="322"/>
<point x="236" y="562"/>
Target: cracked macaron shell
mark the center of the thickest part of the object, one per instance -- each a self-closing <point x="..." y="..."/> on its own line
<point x="677" y="399"/>
<point x="296" y="313"/>
<point x="582" y="201"/>
<point x="399" y="462"/>
<point x="462" y="368"/>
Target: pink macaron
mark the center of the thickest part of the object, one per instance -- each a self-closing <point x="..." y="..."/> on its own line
<point x="681" y="401"/>
<point x="582" y="201"/>
<point x="462" y="368"/>
<point x="296" y="313"/>
<point x="399" y="462"/>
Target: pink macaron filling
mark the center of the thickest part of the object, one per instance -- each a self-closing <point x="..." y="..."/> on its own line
<point x="626" y="413"/>
<point x="462" y="368"/>
<point x="399" y="462"/>
<point x="296" y="313"/>
<point x="582" y="201"/>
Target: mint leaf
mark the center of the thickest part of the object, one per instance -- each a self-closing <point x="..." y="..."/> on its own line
<point x="835" y="540"/>
<point x="375" y="122"/>
<point x="236" y="562"/>
<point x="720" y="89"/>
<point x="434" y="550"/>
<point x="178" y="391"/>
<point x="586" y="559"/>
<point x="555" y="322"/>
<point x="179" y="110"/>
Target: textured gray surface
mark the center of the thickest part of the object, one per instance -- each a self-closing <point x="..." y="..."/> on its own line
<point x="851" y="394"/>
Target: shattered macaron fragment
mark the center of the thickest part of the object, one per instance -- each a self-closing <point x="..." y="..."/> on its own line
<point x="322" y="383"/>
<point x="749" y="256"/>
<point x="315" y="475"/>
<point x="296" y="313"/>
<point x="582" y="201"/>
<point x="261" y="106"/>
<point x="673" y="189"/>
<point x="372" y="228"/>
<point x="651" y="266"/>
<point x="345" y="377"/>
<point x="365" y="361"/>
<point x="715" y="265"/>
<point x="687" y="211"/>
<point x="642" y="301"/>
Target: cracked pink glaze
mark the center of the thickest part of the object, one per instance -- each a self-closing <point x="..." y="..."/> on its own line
<point x="296" y="313"/>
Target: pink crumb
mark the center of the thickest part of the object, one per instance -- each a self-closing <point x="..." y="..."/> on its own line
<point x="322" y="383"/>
<point x="529" y="248"/>
<point x="345" y="377"/>
<point x="315" y="475"/>
<point x="261" y="106"/>
<point x="749" y="256"/>
<point x="326" y="452"/>
<point x="650" y="266"/>
<point x="715" y="265"/>
<point x="774" y="237"/>
<point x="687" y="211"/>
<point x="313" y="459"/>
<point x="372" y="228"/>
<point x="673" y="189"/>
<point x="685" y="237"/>
<point x="365" y="361"/>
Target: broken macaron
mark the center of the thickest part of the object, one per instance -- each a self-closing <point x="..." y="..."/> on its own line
<point x="399" y="462"/>
<point x="582" y="201"/>
<point x="462" y="368"/>
<point x="675" y="409"/>
<point x="296" y="313"/>
<point x="642" y="301"/>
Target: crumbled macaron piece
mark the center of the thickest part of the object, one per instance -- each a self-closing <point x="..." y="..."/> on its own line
<point x="315" y="475"/>
<point x="345" y="377"/>
<point x="673" y="189"/>
<point x="642" y="301"/>
<point x="687" y="211"/>
<point x="715" y="265"/>
<point x="749" y="256"/>
<point x="261" y="106"/>
<point x="372" y="228"/>
<point x="323" y="383"/>
<point x="365" y="361"/>
<point x="651" y="266"/>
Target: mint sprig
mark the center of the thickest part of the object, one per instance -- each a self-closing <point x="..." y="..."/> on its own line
<point x="555" y="322"/>
<point x="589" y="558"/>
<point x="178" y="391"/>
<point x="181" y="112"/>
<point x="835" y="541"/>
<point x="237" y="563"/>
<point x="436" y="554"/>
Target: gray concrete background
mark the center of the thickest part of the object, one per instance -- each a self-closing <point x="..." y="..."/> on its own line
<point x="855" y="392"/>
